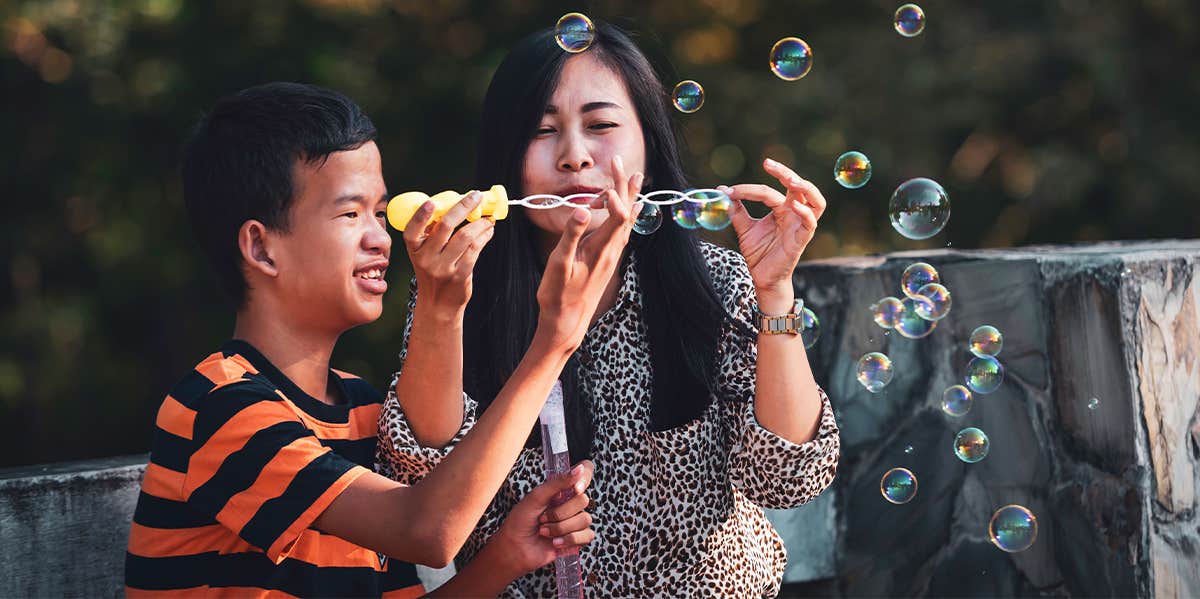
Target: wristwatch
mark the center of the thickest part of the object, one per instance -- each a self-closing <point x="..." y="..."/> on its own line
<point x="791" y="323"/>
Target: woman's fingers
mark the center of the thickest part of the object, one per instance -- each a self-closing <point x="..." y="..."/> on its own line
<point x="765" y="194"/>
<point x="576" y="523"/>
<point x="797" y="185"/>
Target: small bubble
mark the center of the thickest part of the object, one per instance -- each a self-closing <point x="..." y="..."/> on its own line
<point x="910" y="20"/>
<point x="574" y="32"/>
<point x="956" y="401"/>
<point x="898" y="485"/>
<point x="1093" y="403"/>
<point x="971" y="445"/>
<point x="1013" y="528"/>
<point x="886" y="312"/>
<point x="875" y="371"/>
<point x="688" y="96"/>
<point x="938" y="305"/>
<point x="986" y="341"/>
<point x="648" y="220"/>
<point x="812" y="328"/>
<point x="908" y="449"/>
<point x="984" y="374"/>
<point x="916" y="276"/>
<point x="852" y="170"/>
<point x="791" y="58"/>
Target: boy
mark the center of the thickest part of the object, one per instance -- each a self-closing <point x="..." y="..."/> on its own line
<point x="259" y="473"/>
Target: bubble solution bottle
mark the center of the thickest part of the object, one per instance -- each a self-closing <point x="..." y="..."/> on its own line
<point x="558" y="461"/>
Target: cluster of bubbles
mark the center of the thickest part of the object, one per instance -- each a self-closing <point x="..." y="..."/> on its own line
<point x="984" y="371"/>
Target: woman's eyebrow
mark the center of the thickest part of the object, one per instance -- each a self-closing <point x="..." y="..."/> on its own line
<point x="590" y="106"/>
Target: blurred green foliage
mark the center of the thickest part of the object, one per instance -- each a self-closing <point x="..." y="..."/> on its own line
<point x="1046" y="120"/>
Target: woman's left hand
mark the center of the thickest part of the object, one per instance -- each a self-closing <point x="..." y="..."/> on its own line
<point x="773" y="244"/>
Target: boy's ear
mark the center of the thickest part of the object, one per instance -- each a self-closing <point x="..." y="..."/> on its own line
<point x="254" y="241"/>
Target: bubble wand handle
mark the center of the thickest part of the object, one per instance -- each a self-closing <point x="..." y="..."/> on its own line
<point x="401" y="208"/>
<point x="567" y="569"/>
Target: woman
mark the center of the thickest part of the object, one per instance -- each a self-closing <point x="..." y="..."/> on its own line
<point x="694" y="420"/>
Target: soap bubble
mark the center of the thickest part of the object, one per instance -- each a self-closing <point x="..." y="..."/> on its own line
<point x="886" y="312"/>
<point x="908" y="449"/>
<point x="791" y="58"/>
<point x="686" y="213"/>
<point x="938" y="305"/>
<point x="910" y="324"/>
<point x="956" y="400"/>
<point x="688" y="96"/>
<point x="919" y="208"/>
<point x="916" y="276"/>
<point x="971" y="445"/>
<point x="852" y="170"/>
<point x="984" y="374"/>
<point x="898" y="485"/>
<point x="574" y="32"/>
<point x="1013" y="528"/>
<point x="910" y="20"/>
<point x="1093" y="403"/>
<point x="649" y="219"/>
<point x="986" y="341"/>
<point x="875" y="371"/>
<point x="714" y="215"/>
<point x="812" y="327"/>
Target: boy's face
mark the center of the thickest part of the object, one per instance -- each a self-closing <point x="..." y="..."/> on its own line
<point x="332" y="261"/>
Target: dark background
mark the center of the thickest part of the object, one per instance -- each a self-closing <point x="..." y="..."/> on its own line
<point x="1047" y="122"/>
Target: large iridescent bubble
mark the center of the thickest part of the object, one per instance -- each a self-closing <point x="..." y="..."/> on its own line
<point x="919" y="208"/>
<point x="714" y="215"/>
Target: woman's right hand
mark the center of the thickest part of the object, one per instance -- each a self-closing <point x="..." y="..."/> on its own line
<point x="581" y="265"/>
<point x="443" y="260"/>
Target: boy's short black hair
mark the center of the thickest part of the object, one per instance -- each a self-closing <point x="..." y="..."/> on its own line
<point x="238" y="163"/>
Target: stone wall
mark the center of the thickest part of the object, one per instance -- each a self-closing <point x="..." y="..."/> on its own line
<point x="1114" y="488"/>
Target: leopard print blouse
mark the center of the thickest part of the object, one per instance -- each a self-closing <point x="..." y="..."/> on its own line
<point x="677" y="512"/>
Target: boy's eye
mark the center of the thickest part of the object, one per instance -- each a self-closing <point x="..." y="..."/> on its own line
<point x="350" y="214"/>
<point x="381" y="214"/>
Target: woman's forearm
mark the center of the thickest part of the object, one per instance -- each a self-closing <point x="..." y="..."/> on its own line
<point x="429" y="387"/>
<point x="786" y="399"/>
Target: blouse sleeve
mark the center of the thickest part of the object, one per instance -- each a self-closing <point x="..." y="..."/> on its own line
<point x="399" y="456"/>
<point x="771" y="471"/>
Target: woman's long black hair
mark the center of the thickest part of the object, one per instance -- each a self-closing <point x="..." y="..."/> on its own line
<point x="682" y="311"/>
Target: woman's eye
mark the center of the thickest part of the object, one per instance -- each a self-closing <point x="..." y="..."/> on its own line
<point x="604" y="125"/>
<point x="545" y="130"/>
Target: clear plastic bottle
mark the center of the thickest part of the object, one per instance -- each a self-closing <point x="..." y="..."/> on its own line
<point x="558" y="461"/>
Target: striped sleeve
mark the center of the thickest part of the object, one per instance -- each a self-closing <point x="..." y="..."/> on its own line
<point x="259" y="471"/>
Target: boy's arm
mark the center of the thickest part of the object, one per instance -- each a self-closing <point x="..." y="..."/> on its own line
<point x="429" y="522"/>
<point x="429" y="387"/>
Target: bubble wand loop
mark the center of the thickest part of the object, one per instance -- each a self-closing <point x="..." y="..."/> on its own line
<point x="495" y="203"/>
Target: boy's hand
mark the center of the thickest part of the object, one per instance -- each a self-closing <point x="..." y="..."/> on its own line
<point x="443" y="260"/>
<point x="581" y="266"/>
<point x="534" y="532"/>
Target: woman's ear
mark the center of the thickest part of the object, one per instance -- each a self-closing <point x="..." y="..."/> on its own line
<point x="254" y="242"/>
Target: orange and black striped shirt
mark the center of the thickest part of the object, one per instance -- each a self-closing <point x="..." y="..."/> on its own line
<point x="242" y="463"/>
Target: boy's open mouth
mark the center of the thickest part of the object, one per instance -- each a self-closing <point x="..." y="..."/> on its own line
<point x="370" y="277"/>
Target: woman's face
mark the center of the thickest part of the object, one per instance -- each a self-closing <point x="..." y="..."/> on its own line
<point x="590" y="119"/>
